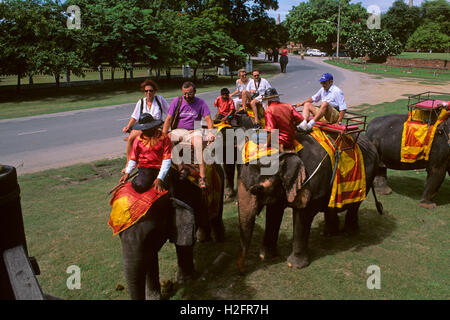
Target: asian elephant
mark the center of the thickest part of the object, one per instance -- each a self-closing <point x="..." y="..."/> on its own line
<point x="175" y="216"/>
<point x="302" y="183"/>
<point x="239" y="121"/>
<point x="386" y="134"/>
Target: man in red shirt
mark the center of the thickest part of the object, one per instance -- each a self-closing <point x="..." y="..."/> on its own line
<point x="225" y="105"/>
<point x="152" y="153"/>
<point x="281" y="116"/>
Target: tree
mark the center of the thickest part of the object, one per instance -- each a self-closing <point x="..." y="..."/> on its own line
<point x="437" y="11"/>
<point x="314" y="23"/>
<point x="34" y="38"/>
<point x="377" y="44"/>
<point x="202" y="44"/>
<point x="401" y="21"/>
<point x="428" y="37"/>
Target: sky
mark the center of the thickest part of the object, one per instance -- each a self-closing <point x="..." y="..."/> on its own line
<point x="286" y="5"/>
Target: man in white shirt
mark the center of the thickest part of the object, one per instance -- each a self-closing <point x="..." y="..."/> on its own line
<point x="259" y="85"/>
<point x="332" y="108"/>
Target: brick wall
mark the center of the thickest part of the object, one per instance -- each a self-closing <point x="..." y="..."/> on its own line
<point x="418" y="63"/>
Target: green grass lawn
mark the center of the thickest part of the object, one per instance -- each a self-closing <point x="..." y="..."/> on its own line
<point x="66" y="212"/>
<point x="438" y="76"/>
<point x="45" y="100"/>
<point x="424" y="55"/>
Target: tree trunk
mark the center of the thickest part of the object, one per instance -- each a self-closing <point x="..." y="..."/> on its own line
<point x="131" y="73"/>
<point x="112" y="73"/>
<point x="195" y="73"/>
<point x="158" y="73"/>
<point x="30" y="79"/>
<point x="18" y="82"/>
<point x="124" y="75"/>
<point x="68" y="77"/>
<point x="168" y="73"/>
<point x="57" y="79"/>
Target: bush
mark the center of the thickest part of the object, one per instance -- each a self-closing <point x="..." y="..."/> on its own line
<point x="378" y="45"/>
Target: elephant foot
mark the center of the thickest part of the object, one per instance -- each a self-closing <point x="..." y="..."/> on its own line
<point x="297" y="262"/>
<point x="153" y="295"/>
<point x="427" y="204"/>
<point x="229" y="193"/>
<point x="266" y="252"/>
<point x="383" y="190"/>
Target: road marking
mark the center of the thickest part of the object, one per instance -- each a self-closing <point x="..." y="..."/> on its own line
<point x="31" y="132"/>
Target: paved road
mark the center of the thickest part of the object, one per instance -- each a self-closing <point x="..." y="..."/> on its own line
<point x="49" y="141"/>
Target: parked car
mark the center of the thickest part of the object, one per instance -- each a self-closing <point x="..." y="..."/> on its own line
<point x="315" y="53"/>
<point x="341" y="54"/>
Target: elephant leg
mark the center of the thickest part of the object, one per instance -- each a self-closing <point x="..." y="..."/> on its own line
<point x="134" y="269"/>
<point x="229" y="180"/>
<point x="351" y="225"/>
<point x="435" y="177"/>
<point x="152" y="287"/>
<point x="331" y="222"/>
<point x="247" y="208"/>
<point x="380" y="182"/>
<point x="302" y="220"/>
<point x="274" y="216"/>
<point x="186" y="270"/>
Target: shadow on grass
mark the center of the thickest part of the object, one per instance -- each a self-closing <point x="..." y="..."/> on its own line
<point x="412" y="188"/>
<point x="223" y="281"/>
<point x="373" y="229"/>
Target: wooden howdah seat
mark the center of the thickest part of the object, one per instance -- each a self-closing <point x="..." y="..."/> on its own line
<point x="354" y="123"/>
<point x="429" y="108"/>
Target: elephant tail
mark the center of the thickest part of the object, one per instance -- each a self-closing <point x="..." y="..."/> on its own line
<point x="378" y="204"/>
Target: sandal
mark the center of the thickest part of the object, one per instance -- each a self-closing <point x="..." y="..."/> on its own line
<point x="202" y="183"/>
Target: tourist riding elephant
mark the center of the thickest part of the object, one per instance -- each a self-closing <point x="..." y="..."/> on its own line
<point x="175" y="217"/>
<point x="302" y="183"/>
<point x="386" y="134"/>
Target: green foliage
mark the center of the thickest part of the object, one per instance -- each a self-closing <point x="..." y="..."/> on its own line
<point x="377" y="44"/>
<point x="428" y="37"/>
<point x="401" y="20"/>
<point x="314" y="23"/>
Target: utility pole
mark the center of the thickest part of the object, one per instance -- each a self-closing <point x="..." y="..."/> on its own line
<point x="338" y="27"/>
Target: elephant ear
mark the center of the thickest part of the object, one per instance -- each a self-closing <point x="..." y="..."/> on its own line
<point x="293" y="174"/>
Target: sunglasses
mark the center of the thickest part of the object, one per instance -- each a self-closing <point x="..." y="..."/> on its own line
<point x="149" y="90"/>
<point x="256" y="75"/>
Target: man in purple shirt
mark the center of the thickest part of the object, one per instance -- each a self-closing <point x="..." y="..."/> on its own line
<point x="190" y="110"/>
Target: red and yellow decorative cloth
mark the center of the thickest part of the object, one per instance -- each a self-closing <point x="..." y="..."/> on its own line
<point x="214" y="185"/>
<point x="417" y="136"/>
<point x="349" y="184"/>
<point x="128" y="206"/>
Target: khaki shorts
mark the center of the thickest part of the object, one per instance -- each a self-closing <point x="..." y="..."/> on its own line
<point x="184" y="135"/>
<point x="329" y="118"/>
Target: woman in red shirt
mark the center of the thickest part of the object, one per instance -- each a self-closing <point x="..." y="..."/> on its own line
<point x="152" y="153"/>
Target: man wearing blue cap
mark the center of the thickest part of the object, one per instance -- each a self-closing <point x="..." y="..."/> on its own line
<point x="331" y="109"/>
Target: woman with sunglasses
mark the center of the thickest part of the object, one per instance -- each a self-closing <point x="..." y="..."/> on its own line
<point x="153" y="104"/>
